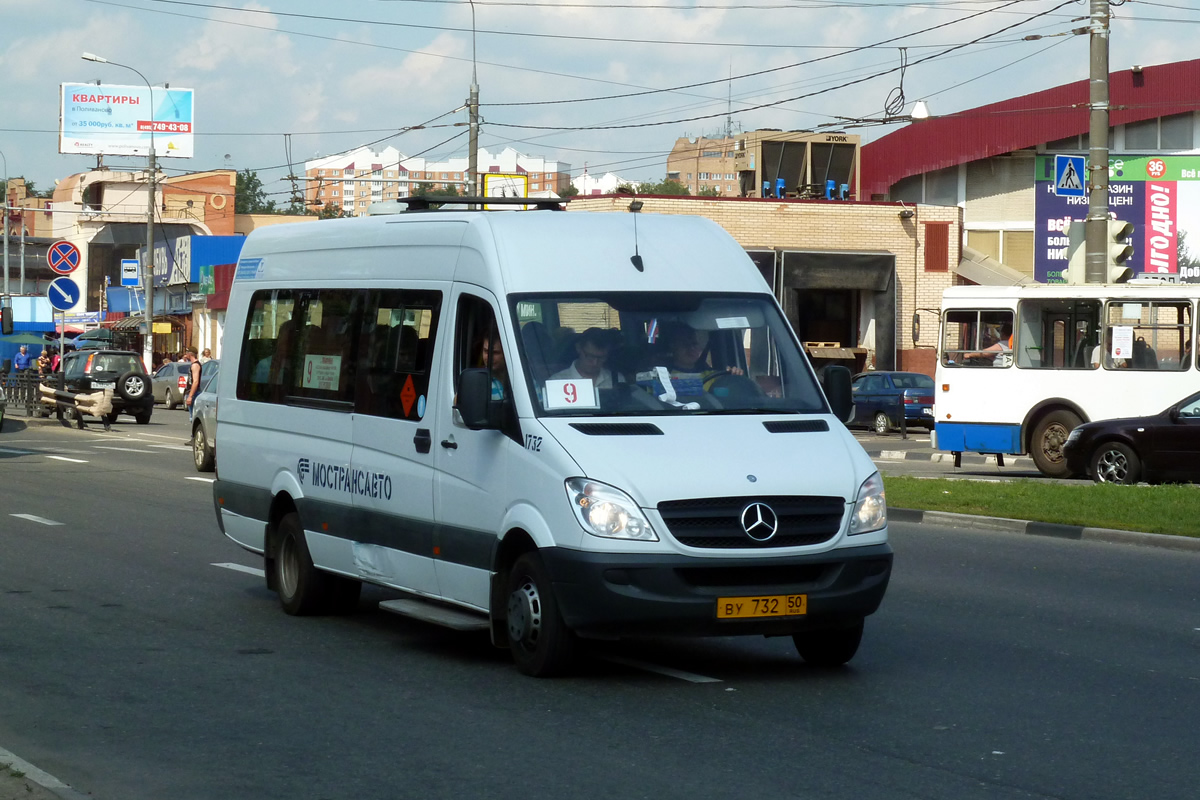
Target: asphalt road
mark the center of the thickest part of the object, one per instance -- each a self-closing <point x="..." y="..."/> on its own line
<point x="142" y="657"/>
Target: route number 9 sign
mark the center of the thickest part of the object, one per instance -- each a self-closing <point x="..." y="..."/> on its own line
<point x="571" y="393"/>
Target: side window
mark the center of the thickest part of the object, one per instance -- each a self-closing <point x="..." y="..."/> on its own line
<point x="396" y="342"/>
<point x="1058" y="334"/>
<point x="300" y="347"/>
<point x="1148" y="335"/>
<point x="977" y="338"/>
<point x="477" y="343"/>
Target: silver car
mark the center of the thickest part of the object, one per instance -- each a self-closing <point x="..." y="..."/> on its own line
<point x="169" y="382"/>
<point x="204" y="418"/>
<point x="3" y="405"/>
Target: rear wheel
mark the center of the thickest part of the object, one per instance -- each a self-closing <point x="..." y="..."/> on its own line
<point x="202" y="454"/>
<point x="171" y="403"/>
<point x="830" y="648"/>
<point x="882" y="423"/>
<point x="541" y="643"/>
<point x="132" y="387"/>
<point x="1047" y="445"/>
<point x="1114" y="462"/>
<point x="303" y="589"/>
<point x="142" y="417"/>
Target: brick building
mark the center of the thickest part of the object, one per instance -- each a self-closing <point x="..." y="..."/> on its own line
<point x="852" y="277"/>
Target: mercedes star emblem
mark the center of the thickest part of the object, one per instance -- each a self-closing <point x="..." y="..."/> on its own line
<point x="759" y="522"/>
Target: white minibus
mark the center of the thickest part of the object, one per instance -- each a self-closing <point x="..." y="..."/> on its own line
<point x="549" y="425"/>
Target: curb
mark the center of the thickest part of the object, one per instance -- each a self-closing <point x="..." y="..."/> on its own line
<point x="43" y="779"/>
<point x="1030" y="528"/>
<point x="948" y="458"/>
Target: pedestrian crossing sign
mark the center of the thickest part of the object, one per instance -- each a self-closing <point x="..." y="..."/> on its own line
<point x="1069" y="172"/>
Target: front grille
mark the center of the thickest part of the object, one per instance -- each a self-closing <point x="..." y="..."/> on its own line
<point x="717" y="522"/>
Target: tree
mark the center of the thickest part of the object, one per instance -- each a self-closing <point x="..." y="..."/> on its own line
<point x="1185" y="257"/>
<point x="251" y="196"/>
<point x="708" y="191"/>
<point x="569" y="191"/>
<point x="667" y="187"/>
<point x="428" y="190"/>
<point x="331" y="211"/>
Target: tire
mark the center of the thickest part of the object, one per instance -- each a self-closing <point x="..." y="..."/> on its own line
<point x="202" y="454"/>
<point x="882" y="423"/>
<point x="170" y="401"/>
<point x="109" y="419"/>
<point x="303" y="589"/>
<point x="1048" y="438"/>
<point x="830" y="648"/>
<point x="133" y="387"/>
<point x="1114" y="462"/>
<point x="143" y="417"/>
<point x="541" y="643"/>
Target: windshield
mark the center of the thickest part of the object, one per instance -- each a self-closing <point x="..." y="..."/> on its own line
<point x="660" y="353"/>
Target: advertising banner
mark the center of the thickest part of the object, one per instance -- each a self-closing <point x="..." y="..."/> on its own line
<point x="1160" y="195"/>
<point x="118" y="120"/>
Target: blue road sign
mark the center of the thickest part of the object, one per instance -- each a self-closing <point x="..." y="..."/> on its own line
<point x="1069" y="176"/>
<point x="63" y="257"/>
<point x="130" y="272"/>
<point x="63" y="293"/>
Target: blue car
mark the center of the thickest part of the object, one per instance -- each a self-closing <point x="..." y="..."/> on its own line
<point x="880" y="398"/>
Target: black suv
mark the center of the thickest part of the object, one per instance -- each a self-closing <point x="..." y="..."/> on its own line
<point x="86" y="371"/>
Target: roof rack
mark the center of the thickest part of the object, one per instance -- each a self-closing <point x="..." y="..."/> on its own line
<point x="435" y="202"/>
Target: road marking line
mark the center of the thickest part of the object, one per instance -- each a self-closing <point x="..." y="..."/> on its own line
<point x="16" y="452"/>
<point x="670" y="673"/>
<point x="122" y="449"/>
<point x="35" y="518"/>
<point x="64" y="458"/>
<point x="171" y="447"/>
<point x="241" y="568"/>
<point x="198" y="478"/>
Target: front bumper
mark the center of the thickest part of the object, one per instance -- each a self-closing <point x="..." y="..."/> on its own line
<point x="610" y="595"/>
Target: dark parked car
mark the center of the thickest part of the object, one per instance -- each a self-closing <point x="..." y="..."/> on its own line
<point x="92" y="370"/>
<point x="1160" y="447"/>
<point x="880" y="396"/>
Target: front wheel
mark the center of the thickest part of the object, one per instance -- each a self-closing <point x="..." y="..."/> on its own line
<point x="1114" y="462"/>
<point x="882" y="423"/>
<point x="1048" y="439"/>
<point x="142" y="418"/>
<point x="541" y="643"/>
<point x="830" y="648"/>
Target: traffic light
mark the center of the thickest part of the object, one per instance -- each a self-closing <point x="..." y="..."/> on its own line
<point x="1120" y="248"/>
<point x="1076" y="271"/>
<point x="6" y="320"/>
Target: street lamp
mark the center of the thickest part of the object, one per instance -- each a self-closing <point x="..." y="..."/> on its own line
<point x="148" y="260"/>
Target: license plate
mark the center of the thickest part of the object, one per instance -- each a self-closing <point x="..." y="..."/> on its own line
<point x="104" y="385"/>
<point x="775" y="605"/>
<point x="927" y="412"/>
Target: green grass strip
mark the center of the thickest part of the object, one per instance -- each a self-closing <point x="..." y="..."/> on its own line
<point x="1173" y="509"/>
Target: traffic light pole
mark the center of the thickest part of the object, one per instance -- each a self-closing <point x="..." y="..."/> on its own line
<point x="1096" y="243"/>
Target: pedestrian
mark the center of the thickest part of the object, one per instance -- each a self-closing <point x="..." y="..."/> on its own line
<point x="23" y="361"/>
<point x="43" y="364"/>
<point x="205" y="355"/>
<point x="55" y="359"/>
<point x="193" y="381"/>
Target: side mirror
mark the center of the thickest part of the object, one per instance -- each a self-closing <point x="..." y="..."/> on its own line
<point x="475" y="398"/>
<point x="1174" y="413"/>
<point x="835" y="379"/>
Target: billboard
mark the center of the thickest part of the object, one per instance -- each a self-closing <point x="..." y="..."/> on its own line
<point x="118" y="120"/>
<point x="1160" y="195"/>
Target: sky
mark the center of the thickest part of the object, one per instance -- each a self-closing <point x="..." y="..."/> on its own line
<point x="603" y="84"/>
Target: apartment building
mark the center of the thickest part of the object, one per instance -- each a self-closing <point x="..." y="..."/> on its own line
<point x="704" y="164"/>
<point x="352" y="181"/>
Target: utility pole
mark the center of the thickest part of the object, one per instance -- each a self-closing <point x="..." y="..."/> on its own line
<point x="148" y="261"/>
<point x="473" y="111"/>
<point x="1096" y="235"/>
<point x="5" y="159"/>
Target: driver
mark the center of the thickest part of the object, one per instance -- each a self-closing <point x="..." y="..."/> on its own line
<point x="688" y="357"/>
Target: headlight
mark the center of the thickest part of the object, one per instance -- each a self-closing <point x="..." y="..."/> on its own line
<point x="606" y="511"/>
<point x="1074" y="435"/>
<point x="870" y="510"/>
